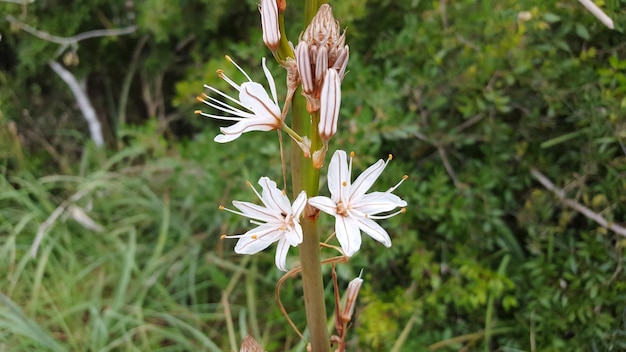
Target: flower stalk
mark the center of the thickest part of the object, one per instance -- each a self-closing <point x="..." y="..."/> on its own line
<point x="306" y="177"/>
<point x="315" y="70"/>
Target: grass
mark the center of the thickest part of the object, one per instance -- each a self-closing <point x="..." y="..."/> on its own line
<point x="129" y="260"/>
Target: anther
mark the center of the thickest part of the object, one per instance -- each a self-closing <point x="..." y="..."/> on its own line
<point x="344" y="183"/>
<point x="254" y="237"/>
<point x="248" y="184"/>
<point x="403" y="210"/>
<point x="199" y="99"/>
<point x="405" y="177"/>
<point x="352" y="154"/>
<point x="221" y="207"/>
<point x="198" y="112"/>
<point x="390" y="157"/>
<point x="222" y="237"/>
<point x="228" y="58"/>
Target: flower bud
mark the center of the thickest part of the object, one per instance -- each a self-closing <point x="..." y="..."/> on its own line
<point x="321" y="46"/>
<point x="351" y="294"/>
<point x="303" y="62"/>
<point x="330" y="101"/>
<point x="269" y="22"/>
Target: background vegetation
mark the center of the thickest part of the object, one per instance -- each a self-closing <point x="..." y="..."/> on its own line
<point x="472" y="97"/>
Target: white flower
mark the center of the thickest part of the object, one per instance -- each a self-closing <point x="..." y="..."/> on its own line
<point x="352" y="208"/>
<point x="260" y="112"/>
<point x="269" y="23"/>
<point x="277" y="220"/>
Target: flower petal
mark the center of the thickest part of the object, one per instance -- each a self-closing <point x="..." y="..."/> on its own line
<point x="270" y="80"/>
<point x="274" y="198"/>
<point x="378" y="202"/>
<point x="298" y="206"/>
<point x="254" y="97"/>
<point x="294" y="236"/>
<point x="258" y="212"/>
<point x="324" y="204"/>
<point x="338" y="176"/>
<point x="374" y="230"/>
<point x="348" y="234"/>
<point x="281" y="254"/>
<point x="365" y="181"/>
<point x="257" y="239"/>
<point x="233" y="132"/>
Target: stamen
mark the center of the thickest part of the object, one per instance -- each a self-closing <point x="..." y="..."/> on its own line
<point x="350" y="164"/>
<point x="222" y="95"/>
<point x="405" y="177"/>
<point x="255" y="191"/>
<point x="221" y="207"/>
<point x="239" y="68"/>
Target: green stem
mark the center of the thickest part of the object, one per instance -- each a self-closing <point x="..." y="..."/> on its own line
<point x="310" y="9"/>
<point x="306" y="177"/>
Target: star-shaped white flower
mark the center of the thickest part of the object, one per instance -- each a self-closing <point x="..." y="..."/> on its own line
<point x="260" y="112"/>
<point x="352" y="208"/>
<point x="277" y="220"/>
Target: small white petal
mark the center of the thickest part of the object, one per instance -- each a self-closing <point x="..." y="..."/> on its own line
<point x="379" y="202"/>
<point x="374" y="230"/>
<point x="254" y="211"/>
<point x="324" y="204"/>
<point x="256" y="240"/>
<point x="294" y="237"/>
<point x="298" y="205"/>
<point x="233" y="132"/>
<point x="281" y="254"/>
<point x="348" y="234"/>
<point x="338" y="176"/>
<point x="365" y="180"/>
<point x="270" y="81"/>
<point x="273" y="197"/>
<point x="254" y="97"/>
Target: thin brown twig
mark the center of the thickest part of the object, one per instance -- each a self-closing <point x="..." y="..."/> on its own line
<point x="292" y="273"/>
<point x="588" y="213"/>
<point x="73" y="39"/>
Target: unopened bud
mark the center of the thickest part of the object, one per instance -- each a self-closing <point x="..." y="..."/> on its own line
<point x="269" y="22"/>
<point x="351" y="294"/>
<point x="303" y="62"/>
<point x="322" y="46"/>
<point x="330" y="101"/>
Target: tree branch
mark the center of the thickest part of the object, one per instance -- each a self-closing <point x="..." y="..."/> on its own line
<point x="588" y="213"/>
<point x="596" y="11"/>
<point x="82" y="99"/>
<point x="73" y="39"/>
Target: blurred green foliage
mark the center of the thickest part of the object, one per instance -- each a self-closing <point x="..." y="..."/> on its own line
<point x="469" y="97"/>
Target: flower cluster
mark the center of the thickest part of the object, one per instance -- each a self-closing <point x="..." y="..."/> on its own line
<point x="279" y="221"/>
<point x="321" y="49"/>
<point x="319" y="64"/>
